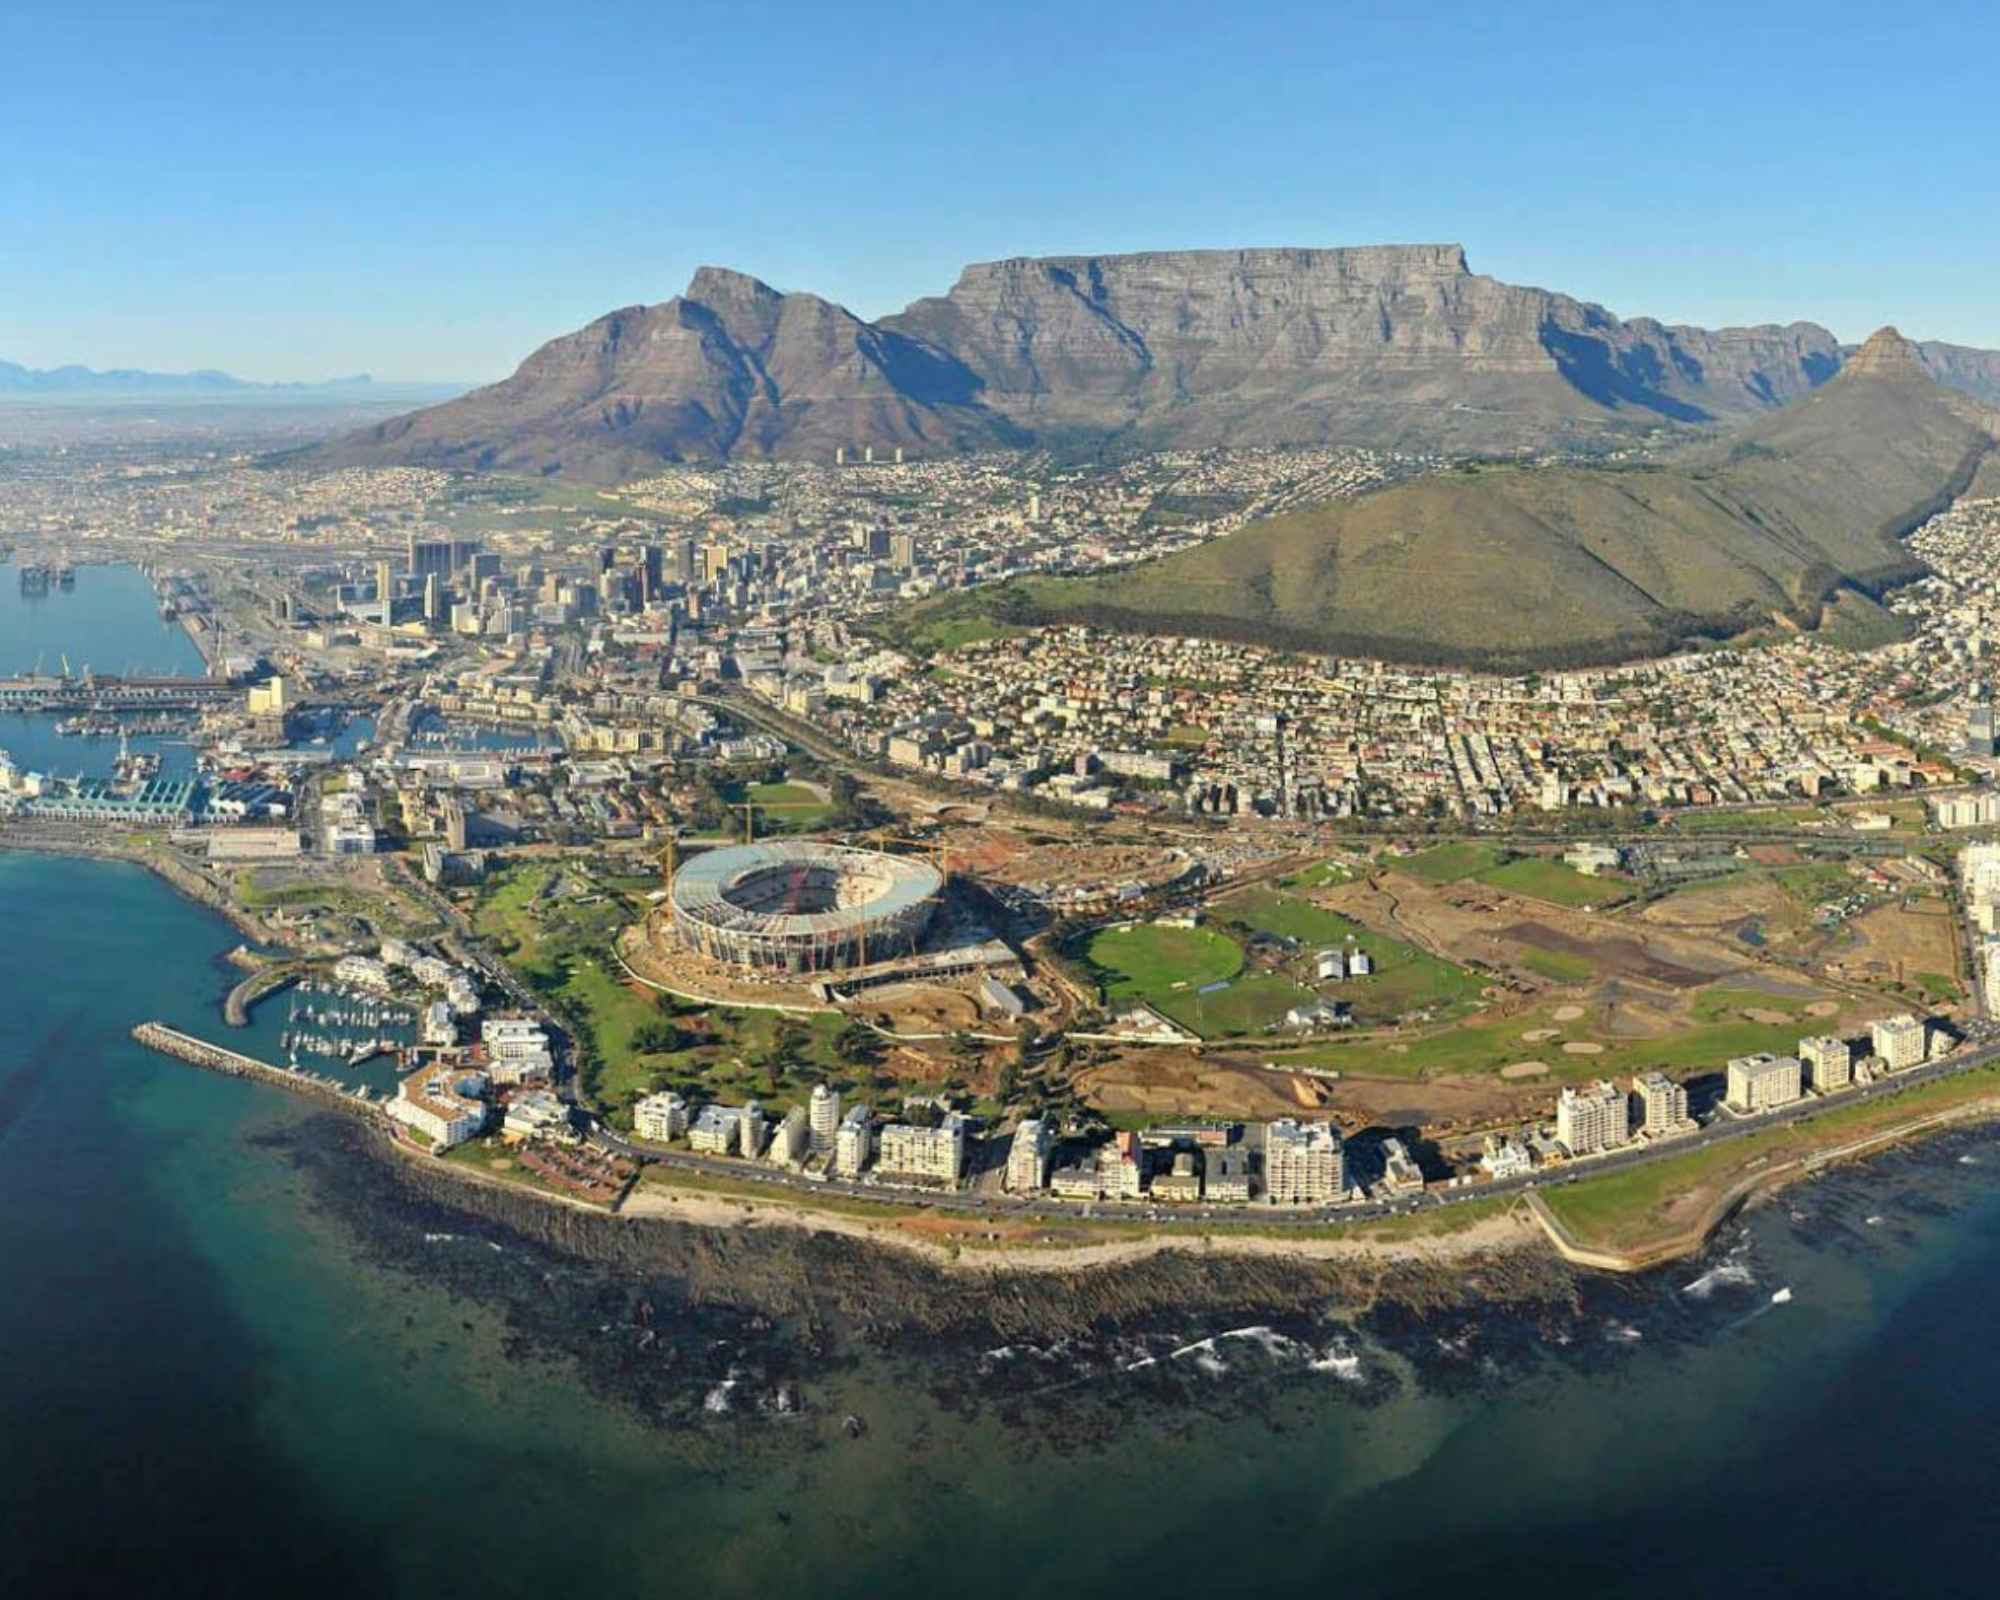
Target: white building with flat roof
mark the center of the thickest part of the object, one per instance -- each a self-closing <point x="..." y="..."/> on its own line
<point x="443" y="1103"/>
<point x="1028" y="1157"/>
<point x="363" y="972"/>
<point x="1828" y="1061"/>
<point x="661" y="1117"/>
<point x="854" y="1144"/>
<point x="1765" y="1082"/>
<point x="517" y="1048"/>
<point x="1505" y="1157"/>
<point x="536" y="1114"/>
<point x="1305" y="1163"/>
<point x="907" y="1153"/>
<point x="716" y="1131"/>
<point x="1593" y="1119"/>
<point x="791" y="1139"/>
<point x="1901" y="1042"/>
<point x="1663" y="1105"/>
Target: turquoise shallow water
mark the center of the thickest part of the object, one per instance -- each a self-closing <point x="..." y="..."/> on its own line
<point x="213" y="1382"/>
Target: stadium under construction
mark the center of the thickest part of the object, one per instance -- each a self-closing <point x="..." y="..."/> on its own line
<point x="800" y="909"/>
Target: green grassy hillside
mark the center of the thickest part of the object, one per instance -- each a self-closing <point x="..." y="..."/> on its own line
<point x="1520" y="566"/>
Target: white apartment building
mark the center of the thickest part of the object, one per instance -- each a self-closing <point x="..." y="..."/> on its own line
<point x="363" y="972"/>
<point x="823" y="1118"/>
<point x="1305" y="1163"/>
<point x="908" y="1153"/>
<point x="1966" y="811"/>
<point x="854" y="1144"/>
<point x="1663" y="1105"/>
<point x="791" y="1139"/>
<point x="1503" y="1157"/>
<point x="1028" y="1157"/>
<point x="443" y="1103"/>
<point x="1593" y="1119"/>
<point x="1828" y="1061"/>
<point x="1121" y="1167"/>
<point x="716" y="1131"/>
<point x="536" y="1114"/>
<point x="1765" y="1082"/>
<point x="517" y="1048"/>
<point x="661" y="1118"/>
<point x="1902" y="1042"/>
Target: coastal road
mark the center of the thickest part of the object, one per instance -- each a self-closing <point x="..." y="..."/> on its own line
<point x="1039" y="1208"/>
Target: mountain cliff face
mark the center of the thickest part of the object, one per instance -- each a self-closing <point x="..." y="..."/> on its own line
<point x="731" y="367"/>
<point x="1399" y="344"/>
<point x="1385" y="345"/>
<point x="1523" y="566"/>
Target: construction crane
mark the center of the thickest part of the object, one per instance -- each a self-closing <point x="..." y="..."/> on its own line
<point x="934" y="849"/>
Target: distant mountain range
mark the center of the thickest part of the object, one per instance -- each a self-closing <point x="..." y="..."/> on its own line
<point x="1396" y="346"/>
<point x="73" y="380"/>
<point x="1520" y="566"/>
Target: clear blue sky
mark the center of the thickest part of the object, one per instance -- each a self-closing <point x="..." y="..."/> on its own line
<point x="429" y="188"/>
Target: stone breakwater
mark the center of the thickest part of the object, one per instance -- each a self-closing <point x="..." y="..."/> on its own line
<point x="213" y="1058"/>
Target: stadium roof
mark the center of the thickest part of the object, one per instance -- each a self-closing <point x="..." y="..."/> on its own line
<point x="701" y="887"/>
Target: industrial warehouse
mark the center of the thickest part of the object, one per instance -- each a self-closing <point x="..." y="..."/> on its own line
<point x="798" y="909"/>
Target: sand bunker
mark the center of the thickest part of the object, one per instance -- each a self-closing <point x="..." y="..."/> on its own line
<point x="1537" y="1035"/>
<point x="1823" y="1008"/>
<point x="1582" y="1047"/>
<point x="1770" y="1019"/>
<point x="1567" y="1013"/>
<point x="1525" y="1069"/>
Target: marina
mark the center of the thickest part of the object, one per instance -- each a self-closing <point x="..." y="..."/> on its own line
<point x="343" y="1026"/>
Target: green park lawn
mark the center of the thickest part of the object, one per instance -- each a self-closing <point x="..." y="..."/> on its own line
<point x="561" y="949"/>
<point x="1816" y="882"/>
<point x="1405" y="978"/>
<point x="1167" y="968"/>
<point x="1720" y="1005"/>
<point x="793" y="807"/>
<point x="1709" y="819"/>
<point x="1544" y="878"/>
<point x="1144" y="961"/>
<point x="1449" y="863"/>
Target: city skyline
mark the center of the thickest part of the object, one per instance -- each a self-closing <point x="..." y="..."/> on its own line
<point x="428" y="198"/>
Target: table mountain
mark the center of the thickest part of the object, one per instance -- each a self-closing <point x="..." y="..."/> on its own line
<point x="1391" y="345"/>
<point x="1516" y="566"/>
<point x="1384" y="345"/>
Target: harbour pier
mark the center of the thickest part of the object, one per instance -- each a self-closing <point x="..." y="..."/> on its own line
<point x="200" y="1053"/>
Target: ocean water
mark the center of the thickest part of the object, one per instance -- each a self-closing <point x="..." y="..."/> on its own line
<point x="226" y="1369"/>
<point x="108" y="623"/>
